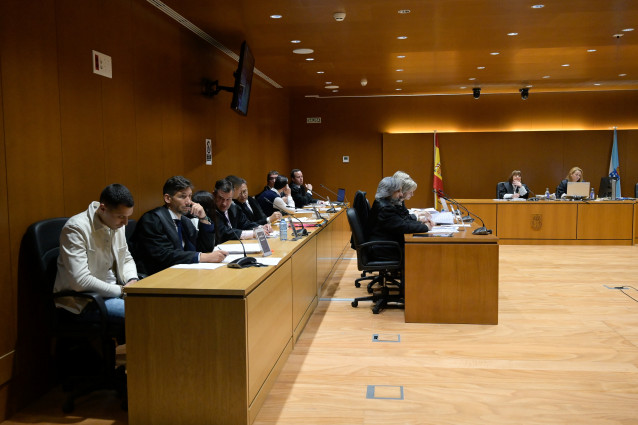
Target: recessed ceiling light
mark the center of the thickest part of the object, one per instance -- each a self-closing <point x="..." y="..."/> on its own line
<point x="462" y="87"/>
<point x="276" y="16"/>
<point x="328" y="83"/>
<point x="565" y="65"/>
<point x="471" y="78"/>
<point x="622" y="75"/>
<point x="398" y="89"/>
<point x="399" y="70"/>
<point x="335" y="91"/>
<point x="320" y="72"/>
<point x="399" y="81"/>
<point x="331" y="87"/>
<point x="617" y="35"/>
<point x="402" y="37"/>
<point x="400" y="56"/>
<point x="480" y="67"/>
<point x="628" y="29"/>
<point x="538" y="6"/>
<point x="591" y="50"/>
<point x="310" y="59"/>
<point x="596" y="84"/>
<point x="512" y="34"/>
<point x="529" y="86"/>
<point x="546" y="76"/>
<point x="295" y="41"/>
<point x="303" y="51"/>
<point x="403" y="11"/>
<point x="495" y="53"/>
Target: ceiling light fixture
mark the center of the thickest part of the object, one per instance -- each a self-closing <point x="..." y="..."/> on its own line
<point x="480" y="67"/>
<point x="476" y="92"/>
<point x="403" y="11"/>
<point x="331" y="87"/>
<point x="399" y="70"/>
<point x="399" y="81"/>
<point x="276" y="16"/>
<point x="402" y="37"/>
<point x="538" y="6"/>
<point x="364" y="82"/>
<point x="596" y="84"/>
<point x="398" y="89"/>
<point x="628" y="29"/>
<point x="295" y="41"/>
<point x="591" y="50"/>
<point x="546" y="76"/>
<point x="303" y="51"/>
<point x="622" y="75"/>
<point x="617" y="35"/>
<point x="310" y="59"/>
<point x="524" y="93"/>
<point x="339" y="16"/>
<point x="495" y="53"/>
<point x="565" y="65"/>
<point x="511" y="34"/>
<point x="400" y="56"/>
<point x="472" y="78"/>
<point x="320" y="72"/>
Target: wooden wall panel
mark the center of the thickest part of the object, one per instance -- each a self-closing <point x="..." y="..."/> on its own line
<point x="482" y="141"/>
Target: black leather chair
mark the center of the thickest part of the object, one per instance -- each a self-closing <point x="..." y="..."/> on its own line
<point x="500" y="187"/>
<point x="84" y="351"/>
<point x="129" y="229"/>
<point x="362" y="206"/>
<point x="389" y="271"/>
<point x="636" y="191"/>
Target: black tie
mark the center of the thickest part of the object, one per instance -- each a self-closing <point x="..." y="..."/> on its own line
<point x="180" y="235"/>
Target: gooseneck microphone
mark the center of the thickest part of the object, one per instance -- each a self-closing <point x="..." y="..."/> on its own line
<point x="239" y="239"/>
<point x="334" y="193"/>
<point x="479" y="230"/>
<point x="303" y="231"/>
<point x="457" y="203"/>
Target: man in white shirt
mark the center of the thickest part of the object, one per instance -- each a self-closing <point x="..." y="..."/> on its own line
<point x="94" y="256"/>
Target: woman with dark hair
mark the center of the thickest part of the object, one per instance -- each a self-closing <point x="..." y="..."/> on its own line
<point x="513" y="188"/>
<point x="387" y="221"/>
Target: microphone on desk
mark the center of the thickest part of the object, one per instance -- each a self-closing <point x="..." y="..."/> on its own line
<point x="303" y="231"/>
<point x="239" y="239"/>
<point x="455" y="202"/>
<point x="478" y="231"/>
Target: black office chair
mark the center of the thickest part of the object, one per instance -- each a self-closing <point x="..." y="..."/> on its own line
<point x="85" y="351"/>
<point x="636" y="191"/>
<point x="362" y="206"/>
<point x="129" y="229"/>
<point x="500" y="187"/>
<point x="389" y="271"/>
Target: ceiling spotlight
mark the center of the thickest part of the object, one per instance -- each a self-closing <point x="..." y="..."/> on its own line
<point x="364" y="82"/>
<point x="476" y="92"/>
<point x="524" y="93"/>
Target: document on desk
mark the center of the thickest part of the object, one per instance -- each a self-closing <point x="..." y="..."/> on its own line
<point x="236" y="248"/>
<point x="269" y="261"/>
<point x="200" y="266"/>
<point x="445" y="229"/>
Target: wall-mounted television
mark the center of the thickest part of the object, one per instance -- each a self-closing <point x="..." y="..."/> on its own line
<point x="243" y="80"/>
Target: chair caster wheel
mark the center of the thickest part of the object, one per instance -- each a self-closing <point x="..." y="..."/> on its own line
<point x="355" y="303"/>
<point x="370" y="290"/>
<point x="357" y="285"/>
<point x="375" y="310"/>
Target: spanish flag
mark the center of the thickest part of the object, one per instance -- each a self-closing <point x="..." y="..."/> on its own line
<point x="437" y="183"/>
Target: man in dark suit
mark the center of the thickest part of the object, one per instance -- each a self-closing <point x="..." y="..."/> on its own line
<point x="301" y="193"/>
<point x="231" y="221"/>
<point x="164" y="236"/>
<point x="249" y="204"/>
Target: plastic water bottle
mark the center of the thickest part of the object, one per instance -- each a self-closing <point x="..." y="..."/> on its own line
<point x="591" y="194"/>
<point x="547" y="193"/>
<point x="283" y="230"/>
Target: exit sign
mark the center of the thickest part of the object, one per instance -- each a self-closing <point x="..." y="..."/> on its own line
<point x="313" y="120"/>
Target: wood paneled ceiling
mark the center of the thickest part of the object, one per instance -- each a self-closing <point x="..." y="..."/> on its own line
<point x="451" y="46"/>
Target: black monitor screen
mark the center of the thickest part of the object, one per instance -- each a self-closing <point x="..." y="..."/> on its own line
<point x="243" y="80"/>
<point x="604" y="191"/>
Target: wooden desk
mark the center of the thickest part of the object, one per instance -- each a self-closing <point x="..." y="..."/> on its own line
<point x="558" y="222"/>
<point x="205" y="346"/>
<point x="451" y="280"/>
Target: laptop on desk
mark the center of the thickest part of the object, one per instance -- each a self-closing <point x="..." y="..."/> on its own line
<point x="341" y="196"/>
<point x="577" y="190"/>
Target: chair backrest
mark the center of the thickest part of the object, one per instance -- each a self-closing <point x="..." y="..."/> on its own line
<point x="498" y="188"/>
<point x="636" y="191"/>
<point x="361" y="206"/>
<point x="128" y="231"/>
<point x="42" y="244"/>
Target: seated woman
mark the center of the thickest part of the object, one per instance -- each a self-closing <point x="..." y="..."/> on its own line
<point x="574" y="175"/>
<point x="408" y="186"/>
<point x="387" y="221"/>
<point x="513" y="188"/>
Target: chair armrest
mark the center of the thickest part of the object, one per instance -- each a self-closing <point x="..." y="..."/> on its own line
<point x="94" y="297"/>
<point x="367" y="247"/>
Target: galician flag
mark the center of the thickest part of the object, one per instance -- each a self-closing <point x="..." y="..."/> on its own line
<point x="614" y="165"/>
<point x="437" y="184"/>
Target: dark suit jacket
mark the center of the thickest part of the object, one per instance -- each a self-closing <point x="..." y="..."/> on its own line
<point x="388" y="222"/>
<point x="506" y="187"/>
<point x="300" y="195"/>
<point x="156" y="246"/>
<point x="561" y="188"/>
<point x="238" y="221"/>
<point x="265" y="199"/>
<point x="257" y="214"/>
